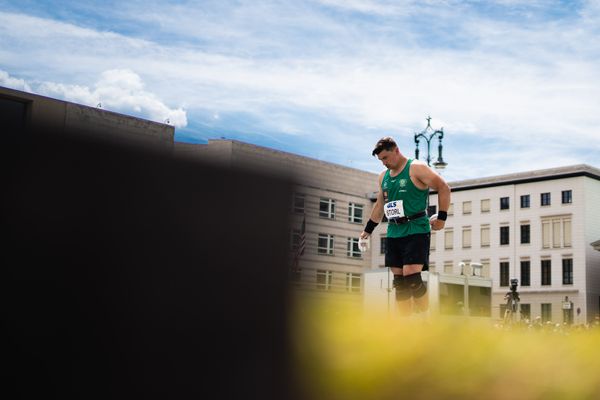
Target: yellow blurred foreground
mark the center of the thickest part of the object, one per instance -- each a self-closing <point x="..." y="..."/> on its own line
<point x="342" y="353"/>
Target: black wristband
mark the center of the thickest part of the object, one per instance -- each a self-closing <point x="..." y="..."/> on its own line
<point x="370" y="226"/>
<point x="442" y="215"/>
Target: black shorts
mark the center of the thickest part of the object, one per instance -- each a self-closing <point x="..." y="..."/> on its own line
<point x="411" y="249"/>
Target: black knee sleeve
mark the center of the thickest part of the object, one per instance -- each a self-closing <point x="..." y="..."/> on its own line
<point x="402" y="289"/>
<point x="416" y="285"/>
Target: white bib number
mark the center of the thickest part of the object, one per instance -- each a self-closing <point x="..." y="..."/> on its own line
<point x="394" y="209"/>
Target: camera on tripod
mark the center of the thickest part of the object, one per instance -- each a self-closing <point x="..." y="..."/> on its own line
<point x="512" y="298"/>
<point x="512" y="302"/>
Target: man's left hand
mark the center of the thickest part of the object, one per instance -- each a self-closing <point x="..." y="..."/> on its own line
<point x="436" y="224"/>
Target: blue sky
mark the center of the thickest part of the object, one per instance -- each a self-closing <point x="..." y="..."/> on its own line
<point x="514" y="84"/>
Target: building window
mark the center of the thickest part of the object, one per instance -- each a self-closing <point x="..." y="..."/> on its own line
<point x="525" y="233"/>
<point x="352" y="282"/>
<point x="525" y="273"/>
<point x="327" y="208"/>
<point x="464" y="270"/>
<point x="485" y="205"/>
<point x="546" y="312"/>
<point x="504" y="273"/>
<point x="504" y="203"/>
<point x="451" y="209"/>
<point x="298" y="203"/>
<point x="556" y="232"/>
<point x="355" y="212"/>
<point x="448" y="239"/>
<point x="567" y="271"/>
<point x="432" y="241"/>
<point x="485" y="236"/>
<point x="567" y="196"/>
<point x="352" y="249"/>
<point x="526" y="311"/>
<point x="545" y="199"/>
<point x="485" y="269"/>
<point x="324" y="279"/>
<point x="546" y="272"/>
<point x="466" y="207"/>
<point x="325" y="244"/>
<point x="448" y="267"/>
<point x="382" y="244"/>
<point x="556" y="242"/>
<point x="525" y="201"/>
<point x="546" y="234"/>
<point x="466" y="237"/>
<point x="566" y="236"/>
<point x="504" y="235"/>
<point x="431" y="210"/>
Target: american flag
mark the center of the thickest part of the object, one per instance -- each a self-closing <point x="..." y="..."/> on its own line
<point x="301" y="243"/>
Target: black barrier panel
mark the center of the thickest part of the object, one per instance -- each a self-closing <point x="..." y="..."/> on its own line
<point x="132" y="274"/>
<point x="12" y="117"/>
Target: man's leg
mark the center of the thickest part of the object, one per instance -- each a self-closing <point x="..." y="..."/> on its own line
<point x="418" y="290"/>
<point x="403" y="292"/>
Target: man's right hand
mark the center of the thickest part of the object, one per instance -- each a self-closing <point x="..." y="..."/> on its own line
<point x="364" y="235"/>
<point x="363" y="244"/>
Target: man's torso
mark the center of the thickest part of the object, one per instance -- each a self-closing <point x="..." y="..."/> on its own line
<point x="403" y="198"/>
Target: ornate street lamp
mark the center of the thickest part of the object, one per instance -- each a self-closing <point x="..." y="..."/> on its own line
<point x="428" y="133"/>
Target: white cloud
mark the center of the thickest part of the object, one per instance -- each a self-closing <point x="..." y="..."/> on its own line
<point x="119" y="90"/>
<point x="372" y="6"/>
<point x="480" y="79"/>
<point x="74" y="93"/>
<point x="14" y="83"/>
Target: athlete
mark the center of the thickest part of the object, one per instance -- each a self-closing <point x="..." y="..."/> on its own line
<point x="403" y="199"/>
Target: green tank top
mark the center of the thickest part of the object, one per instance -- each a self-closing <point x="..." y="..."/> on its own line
<point x="414" y="200"/>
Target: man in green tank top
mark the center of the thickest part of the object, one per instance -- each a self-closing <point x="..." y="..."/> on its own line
<point x="403" y="199"/>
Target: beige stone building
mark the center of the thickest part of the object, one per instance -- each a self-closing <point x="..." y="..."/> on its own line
<point x="334" y="199"/>
<point x="537" y="227"/>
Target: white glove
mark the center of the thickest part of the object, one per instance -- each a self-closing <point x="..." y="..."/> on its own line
<point x="363" y="244"/>
<point x="432" y="218"/>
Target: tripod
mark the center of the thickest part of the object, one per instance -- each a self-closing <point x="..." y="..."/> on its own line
<point x="512" y="307"/>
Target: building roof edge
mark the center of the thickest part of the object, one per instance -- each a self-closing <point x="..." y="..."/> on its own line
<point x="528" y="176"/>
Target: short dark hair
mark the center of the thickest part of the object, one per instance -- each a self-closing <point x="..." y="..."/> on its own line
<point x="385" y="143"/>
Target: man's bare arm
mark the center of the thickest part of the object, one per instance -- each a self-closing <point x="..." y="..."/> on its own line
<point x="434" y="181"/>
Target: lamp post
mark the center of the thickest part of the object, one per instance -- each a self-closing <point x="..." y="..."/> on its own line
<point x="427" y="134"/>
<point x="463" y="271"/>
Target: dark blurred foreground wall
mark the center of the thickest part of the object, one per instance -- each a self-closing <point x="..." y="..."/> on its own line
<point x="128" y="273"/>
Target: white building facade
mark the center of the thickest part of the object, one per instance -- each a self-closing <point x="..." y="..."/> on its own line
<point x="536" y="227"/>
